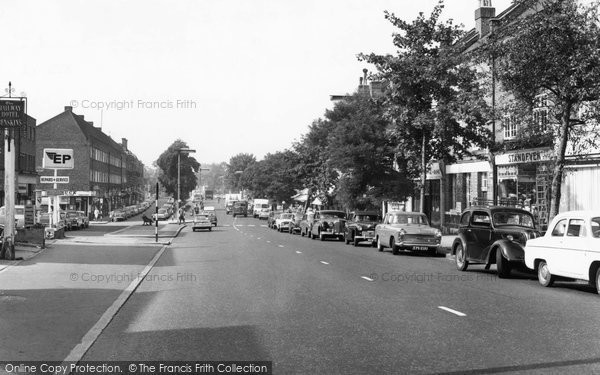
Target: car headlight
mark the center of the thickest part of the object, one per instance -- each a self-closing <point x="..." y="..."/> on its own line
<point x="401" y="234"/>
<point x="510" y="237"/>
<point x="438" y="233"/>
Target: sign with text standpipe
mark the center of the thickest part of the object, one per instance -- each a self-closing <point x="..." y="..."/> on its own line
<point x="12" y="113"/>
<point x="58" y="158"/>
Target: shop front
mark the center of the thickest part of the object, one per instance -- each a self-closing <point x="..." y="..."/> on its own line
<point x="524" y="181"/>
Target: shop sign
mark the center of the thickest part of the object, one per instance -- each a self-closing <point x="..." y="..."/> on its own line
<point x="12" y="113"/>
<point x="524" y="156"/>
<point x="508" y="171"/>
<point x="396" y="206"/>
<point x="433" y="171"/>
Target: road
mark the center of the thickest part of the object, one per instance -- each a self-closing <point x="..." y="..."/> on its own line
<point x="246" y="292"/>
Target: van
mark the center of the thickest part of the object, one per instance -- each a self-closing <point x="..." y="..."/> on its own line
<point x="260" y="205"/>
<point x="240" y="208"/>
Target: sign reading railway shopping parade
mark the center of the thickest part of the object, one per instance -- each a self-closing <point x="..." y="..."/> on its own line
<point x="12" y="113"/>
<point x="58" y="158"/>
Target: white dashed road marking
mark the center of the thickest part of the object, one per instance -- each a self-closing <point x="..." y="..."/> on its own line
<point x="324" y="262"/>
<point x="268" y="241"/>
<point x="366" y="278"/>
<point x="280" y="245"/>
<point x="298" y="252"/>
<point x="452" y="311"/>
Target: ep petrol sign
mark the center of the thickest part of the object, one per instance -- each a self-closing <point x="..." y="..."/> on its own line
<point x="58" y="158"/>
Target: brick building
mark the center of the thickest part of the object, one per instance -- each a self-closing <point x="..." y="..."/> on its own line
<point x="106" y="174"/>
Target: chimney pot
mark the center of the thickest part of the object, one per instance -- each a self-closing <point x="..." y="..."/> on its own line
<point x="68" y="108"/>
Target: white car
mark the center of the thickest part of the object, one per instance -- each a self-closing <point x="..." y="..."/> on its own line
<point x="201" y="221"/>
<point x="570" y="248"/>
<point x="283" y="222"/>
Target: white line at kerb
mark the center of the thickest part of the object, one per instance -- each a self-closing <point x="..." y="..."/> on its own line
<point x="298" y="252"/>
<point x="451" y="311"/>
<point x="324" y="262"/>
<point x="366" y="278"/>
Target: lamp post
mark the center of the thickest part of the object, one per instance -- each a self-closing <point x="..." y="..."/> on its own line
<point x="183" y="150"/>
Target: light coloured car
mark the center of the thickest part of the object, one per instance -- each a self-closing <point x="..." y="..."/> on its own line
<point x="283" y="222"/>
<point x="212" y="214"/>
<point x="407" y="231"/>
<point x="201" y="221"/>
<point x="570" y="248"/>
<point x="163" y="214"/>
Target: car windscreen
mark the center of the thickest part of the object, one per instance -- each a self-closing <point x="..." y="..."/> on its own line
<point x="333" y="215"/>
<point x="410" y="219"/>
<point x="368" y="218"/>
<point x="162" y="211"/>
<point x="286" y="216"/>
<point x="521" y="219"/>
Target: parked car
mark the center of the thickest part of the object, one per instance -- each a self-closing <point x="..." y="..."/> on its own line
<point x="283" y="222"/>
<point x="271" y="219"/>
<point x="201" y="221"/>
<point x="263" y="214"/>
<point x="212" y="214"/>
<point x="493" y="235"/>
<point x="119" y="215"/>
<point x="306" y="223"/>
<point x="85" y="220"/>
<point x="361" y="227"/>
<point x="570" y="248"/>
<point x="76" y="222"/>
<point x="328" y="224"/>
<point x="163" y="214"/>
<point x="407" y="231"/>
<point x="240" y="208"/>
<point x="295" y="224"/>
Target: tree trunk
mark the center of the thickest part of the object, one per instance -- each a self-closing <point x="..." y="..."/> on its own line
<point x="423" y="176"/>
<point x="559" y="151"/>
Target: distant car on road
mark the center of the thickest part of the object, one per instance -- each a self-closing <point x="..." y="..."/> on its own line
<point x="569" y="249"/>
<point x="240" y="208"/>
<point x="163" y="214"/>
<point x="407" y="231"/>
<point x="212" y="214"/>
<point x="360" y="227"/>
<point x="328" y="224"/>
<point x="493" y="235"/>
<point x="283" y="222"/>
<point x="201" y="221"/>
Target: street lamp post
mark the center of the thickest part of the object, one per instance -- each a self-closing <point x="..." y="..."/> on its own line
<point x="179" y="152"/>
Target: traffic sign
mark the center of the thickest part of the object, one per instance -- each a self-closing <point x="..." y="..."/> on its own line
<point x="58" y="158"/>
<point x="54" y="180"/>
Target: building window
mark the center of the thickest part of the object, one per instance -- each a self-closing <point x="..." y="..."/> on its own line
<point x="510" y="127"/>
<point x="540" y="113"/>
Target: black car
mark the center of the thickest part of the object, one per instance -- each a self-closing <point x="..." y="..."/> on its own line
<point x="360" y="227"/>
<point x="493" y="235"/>
<point x="328" y="224"/>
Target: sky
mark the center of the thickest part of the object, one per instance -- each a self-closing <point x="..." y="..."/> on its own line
<point x="225" y="76"/>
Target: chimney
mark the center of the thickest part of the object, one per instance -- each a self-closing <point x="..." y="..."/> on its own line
<point x="483" y="16"/>
<point x="68" y="108"/>
<point x="124" y="143"/>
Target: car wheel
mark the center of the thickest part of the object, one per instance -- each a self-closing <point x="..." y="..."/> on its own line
<point x="346" y="239"/>
<point x="310" y="235"/>
<point x="379" y="244"/>
<point x="598" y="280"/>
<point x="210" y="229"/>
<point x="432" y="251"/>
<point x="395" y="248"/>
<point x="321" y="236"/>
<point x="355" y="241"/>
<point x="502" y="265"/>
<point x="193" y="229"/>
<point x="461" y="258"/>
<point x="302" y="234"/>
<point x="544" y="276"/>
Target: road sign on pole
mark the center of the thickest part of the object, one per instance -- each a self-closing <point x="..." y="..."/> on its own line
<point x="54" y="180"/>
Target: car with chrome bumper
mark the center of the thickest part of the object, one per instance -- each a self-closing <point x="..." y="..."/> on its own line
<point x="569" y="250"/>
<point x="201" y="221"/>
<point x="360" y="227"/>
<point x="283" y="222"/>
<point x="493" y="235"/>
<point x="407" y="231"/>
<point x="328" y="224"/>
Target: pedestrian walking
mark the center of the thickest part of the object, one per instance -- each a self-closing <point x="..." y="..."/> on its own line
<point x="181" y="216"/>
<point x="96" y="213"/>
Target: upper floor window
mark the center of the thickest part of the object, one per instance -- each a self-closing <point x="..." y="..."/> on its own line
<point x="510" y="127"/>
<point x="540" y="113"/>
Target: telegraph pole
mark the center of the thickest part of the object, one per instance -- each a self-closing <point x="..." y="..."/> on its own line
<point x="12" y="116"/>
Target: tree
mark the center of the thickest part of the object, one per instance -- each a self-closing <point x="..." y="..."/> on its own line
<point x="553" y="51"/>
<point x="364" y="155"/>
<point x="273" y="177"/>
<point x="434" y="99"/>
<point x="167" y="162"/>
<point x="236" y="167"/>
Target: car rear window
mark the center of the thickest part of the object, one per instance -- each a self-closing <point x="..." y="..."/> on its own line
<point x="560" y="228"/>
